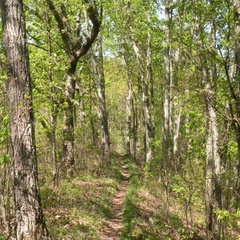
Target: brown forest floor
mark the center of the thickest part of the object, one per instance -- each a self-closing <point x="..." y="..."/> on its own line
<point x="92" y="207"/>
<point x="113" y="226"/>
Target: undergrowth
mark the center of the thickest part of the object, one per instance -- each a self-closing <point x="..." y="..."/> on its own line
<point x="144" y="211"/>
<point x="145" y="215"/>
<point x="78" y="207"/>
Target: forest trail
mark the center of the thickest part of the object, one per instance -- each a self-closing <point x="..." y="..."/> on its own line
<point x="114" y="225"/>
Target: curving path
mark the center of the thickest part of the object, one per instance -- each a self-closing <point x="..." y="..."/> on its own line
<point x="113" y="226"/>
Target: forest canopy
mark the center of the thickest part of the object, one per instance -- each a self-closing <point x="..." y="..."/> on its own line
<point x="86" y="83"/>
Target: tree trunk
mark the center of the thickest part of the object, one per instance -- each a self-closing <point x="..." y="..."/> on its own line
<point x="213" y="168"/>
<point x="237" y="79"/>
<point x="167" y="109"/>
<point x="213" y="158"/>
<point x="150" y="79"/>
<point x="167" y="138"/>
<point x="99" y="79"/>
<point x="149" y="99"/>
<point x="29" y="219"/>
<point x="135" y="127"/>
<point x="55" y="104"/>
<point x="68" y="128"/>
<point x="129" y="99"/>
<point x="144" y="75"/>
<point x="75" y="46"/>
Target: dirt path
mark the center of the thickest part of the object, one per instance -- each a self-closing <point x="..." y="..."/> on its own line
<point x="113" y="226"/>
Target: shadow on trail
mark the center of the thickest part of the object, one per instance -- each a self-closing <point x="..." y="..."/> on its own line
<point x="113" y="226"/>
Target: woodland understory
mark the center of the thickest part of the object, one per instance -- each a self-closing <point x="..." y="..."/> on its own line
<point x="93" y="91"/>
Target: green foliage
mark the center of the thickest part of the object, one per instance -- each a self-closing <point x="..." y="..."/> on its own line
<point x="4" y="139"/>
<point x="76" y="209"/>
<point x="144" y="214"/>
<point x="228" y="218"/>
<point x="129" y="208"/>
<point x="191" y="51"/>
<point x="79" y="207"/>
<point x="4" y="159"/>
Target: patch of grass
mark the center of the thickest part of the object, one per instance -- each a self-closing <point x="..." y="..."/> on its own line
<point x="144" y="211"/>
<point x="129" y="212"/>
<point x="2" y="237"/>
<point x="79" y="207"/>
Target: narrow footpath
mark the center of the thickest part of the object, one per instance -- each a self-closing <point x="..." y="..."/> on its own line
<point x="113" y="226"/>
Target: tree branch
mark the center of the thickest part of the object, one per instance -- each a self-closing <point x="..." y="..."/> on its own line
<point x="63" y="26"/>
<point x="93" y="16"/>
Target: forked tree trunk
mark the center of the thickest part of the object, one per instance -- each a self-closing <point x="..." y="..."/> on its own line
<point x="75" y="46"/>
<point x="29" y="219"/>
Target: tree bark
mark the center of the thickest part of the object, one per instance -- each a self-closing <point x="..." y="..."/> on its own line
<point x="144" y="75"/>
<point x="55" y="104"/>
<point x="213" y="168"/>
<point x="29" y="219"/>
<point x="237" y="95"/>
<point x="129" y="99"/>
<point x="68" y="128"/>
<point x="99" y="79"/>
<point x="75" y="46"/>
<point x="213" y="158"/>
<point x="167" y="106"/>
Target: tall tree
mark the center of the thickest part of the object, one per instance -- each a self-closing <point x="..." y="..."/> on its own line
<point x="76" y="44"/>
<point x="237" y="79"/>
<point x="99" y="80"/>
<point x="28" y="211"/>
<point x="167" y="106"/>
<point x="145" y="75"/>
<point x="129" y="100"/>
<point x="213" y="162"/>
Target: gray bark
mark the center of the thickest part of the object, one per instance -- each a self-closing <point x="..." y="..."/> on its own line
<point x="75" y="47"/>
<point x="129" y="99"/>
<point x="213" y="159"/>
<point x="29" y="219"/>
<point x="144" y="75"/>
<point x="55" y="105"/>
<point x="99" y="79"/>
<point x="213" y="168"/>
<point x="237" y="95"/>
<point x="68" y="118"/>
<point x="167" y="105"/>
